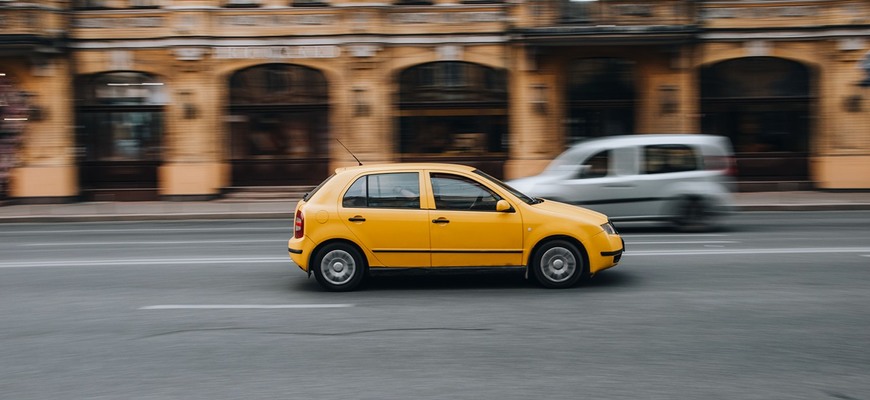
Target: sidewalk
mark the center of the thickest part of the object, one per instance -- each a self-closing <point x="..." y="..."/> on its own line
<point x="265" y="209"/>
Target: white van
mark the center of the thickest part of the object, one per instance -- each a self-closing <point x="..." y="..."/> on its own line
<point x="684" y="179"/>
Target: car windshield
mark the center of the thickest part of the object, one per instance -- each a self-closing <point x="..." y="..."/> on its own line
<point x="520" y="195"/>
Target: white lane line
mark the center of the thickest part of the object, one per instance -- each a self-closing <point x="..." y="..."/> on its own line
<point x="142" y="242"/>
<point x="144" y="261"/>
<point x="747" y="252"/>
<point x="241" y="306"/>
<point x="686" y="242"/>
<point x="671" y="235"/>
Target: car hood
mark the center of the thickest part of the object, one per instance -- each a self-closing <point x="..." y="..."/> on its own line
<point x="563" y="210"/>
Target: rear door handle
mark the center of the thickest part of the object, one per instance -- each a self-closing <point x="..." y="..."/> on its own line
<point x="441" y="220"/>
<point x="357" y="218"/>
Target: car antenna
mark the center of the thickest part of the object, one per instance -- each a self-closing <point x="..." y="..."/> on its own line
<point x="348" y="150"/>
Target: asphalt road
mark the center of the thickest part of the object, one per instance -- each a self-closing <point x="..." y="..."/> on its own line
<point x="773" y="307"/>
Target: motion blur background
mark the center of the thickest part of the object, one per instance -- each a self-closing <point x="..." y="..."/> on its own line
<point x="194" y="99"/>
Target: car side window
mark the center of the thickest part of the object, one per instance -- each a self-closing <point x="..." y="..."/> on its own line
<point x="596" y="166"/>
<point x="662" y="159"/>
<point x="391" y="190"/>
<point x="453" y="192"/>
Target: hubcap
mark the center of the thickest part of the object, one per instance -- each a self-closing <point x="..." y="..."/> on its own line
<point x="558" y="264"/>
<point x="338" y="267"/>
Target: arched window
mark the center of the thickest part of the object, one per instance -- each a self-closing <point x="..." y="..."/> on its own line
<point x="279" y="125"/>
<point x="454" y="111"/>
<point x="763" y="105"/>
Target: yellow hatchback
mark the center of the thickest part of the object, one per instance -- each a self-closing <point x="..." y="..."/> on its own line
<point x="443" y="216"/>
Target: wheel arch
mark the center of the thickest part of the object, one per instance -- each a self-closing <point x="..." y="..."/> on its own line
<point x="327" y="242"/>
<point x="580" y="247"/>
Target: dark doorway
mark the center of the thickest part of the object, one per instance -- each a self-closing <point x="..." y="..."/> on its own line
<point x="763" y="104"/>
<point x="601" y="98"/>
<point x="454" y="112"/>
<point x="279" y="126"/>
<point x="119" y="134"/>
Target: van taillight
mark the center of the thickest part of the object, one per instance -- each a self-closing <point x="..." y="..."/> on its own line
<point x="721" y="163"/>
<point x="298" y="225"/>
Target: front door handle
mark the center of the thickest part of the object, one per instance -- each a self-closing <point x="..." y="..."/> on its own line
<point x="357" y="218"/>
<point x="441" y="220"/>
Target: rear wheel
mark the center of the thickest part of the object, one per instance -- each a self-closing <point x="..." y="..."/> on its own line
<point x="693" y="215"/>
<point x="558" y="264"/>
<point x="338" y="267"/>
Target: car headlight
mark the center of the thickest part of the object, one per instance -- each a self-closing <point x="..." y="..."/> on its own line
<point x="609" y="228"/>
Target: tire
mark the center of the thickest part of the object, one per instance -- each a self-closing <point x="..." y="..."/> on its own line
<point x="558" y="264"/>
<point x="339" y="267"/>
<point x="693" y="215"/>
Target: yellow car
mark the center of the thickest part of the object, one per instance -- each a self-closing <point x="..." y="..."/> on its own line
<point x="431" y="215"/>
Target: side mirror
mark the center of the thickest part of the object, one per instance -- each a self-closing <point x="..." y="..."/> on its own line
<point x="503" y="206"/>
<point x="583" y="172"/>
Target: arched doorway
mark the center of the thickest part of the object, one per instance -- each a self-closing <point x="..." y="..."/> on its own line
<point x="14" y="112"/>
<point x="600" y="98"/>
<point x="279" y="126"/>
<point x="119" y="130"/>
<point x="763" y="105"/>
<point x="451" y="111"/>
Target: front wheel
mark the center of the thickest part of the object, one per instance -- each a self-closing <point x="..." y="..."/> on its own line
<point x="338" y="267"/>
<point x="558" y="264"/>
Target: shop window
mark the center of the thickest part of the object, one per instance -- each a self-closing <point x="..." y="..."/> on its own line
<point x="413" y="3"/>
<point x="121" y="117"/>
<point x="242" y="3"/>
<point x="309" y="3"/>
<point x="91" y="4"/>
<point x="601" y="98"/>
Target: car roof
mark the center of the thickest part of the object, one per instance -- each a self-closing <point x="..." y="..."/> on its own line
<point x="404" y="167"/>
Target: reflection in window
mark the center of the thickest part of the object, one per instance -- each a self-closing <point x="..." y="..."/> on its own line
<point x="596" y="166"/>
<point x="454" y="192"/>
<point x="392" y="190"/>
<point x="121" y="117"/>
<point x="669" y="158"/>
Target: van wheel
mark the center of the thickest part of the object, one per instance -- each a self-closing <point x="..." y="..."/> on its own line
<point x="693" y="215"/>
<point x="558" y="264"/>
<point x="338" y="267"/>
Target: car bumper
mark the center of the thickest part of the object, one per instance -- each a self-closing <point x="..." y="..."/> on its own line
<point x="610" y="249"/>
<point x="299" y="251"/>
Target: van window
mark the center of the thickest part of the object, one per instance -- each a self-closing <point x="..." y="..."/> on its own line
<point x="596" y="166"/>
<point x="661" y="159"/>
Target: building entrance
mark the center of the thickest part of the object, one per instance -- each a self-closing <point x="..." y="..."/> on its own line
<point x="119" y="134"/>
<point x="279" y="126"/>
<point x="454" y="112"/>
<point x="764" y="105"/>
<point x="601" y="98"/>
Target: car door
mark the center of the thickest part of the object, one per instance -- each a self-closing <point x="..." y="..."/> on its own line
<point x="383" y="212"/>
<point x="465" y="228"/>
<point x="605" y="182"/>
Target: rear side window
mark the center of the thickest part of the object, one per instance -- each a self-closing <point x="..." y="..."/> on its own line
<point x="662" y="159"/>
<point x="393" y="190"/>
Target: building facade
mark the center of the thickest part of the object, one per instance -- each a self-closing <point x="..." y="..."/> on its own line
<point x="151" y="99"/>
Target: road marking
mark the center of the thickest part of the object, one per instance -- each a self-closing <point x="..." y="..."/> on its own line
<point x="142" y="242"/>
<point x="137" y="230"/>
<point x="674" y="235"/>
<point x="687" y="242"/>
<point x="748" y="252"/>
<point x="144" y="261"/>
<point x="241" y="306"/>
